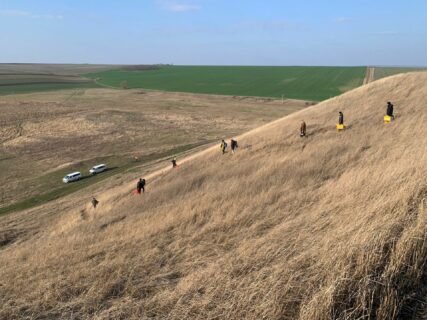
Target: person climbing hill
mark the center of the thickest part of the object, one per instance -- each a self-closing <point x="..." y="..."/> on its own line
<point x="234" y="145"/>
<point x="340" y="118"/>
<point x="303" y="129"/>
<point x="174" y="165"/>
<point x="140" y="186"/>
<point x="223" y="146"/>
<point x="94" y="202"/>
<point x="390" y="109"/>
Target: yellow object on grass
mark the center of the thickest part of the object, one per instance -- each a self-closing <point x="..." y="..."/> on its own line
<point x="387" y="119"/>
<point x="340" y="127"/>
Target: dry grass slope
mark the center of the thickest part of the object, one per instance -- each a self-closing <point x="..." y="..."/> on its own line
<point x="65" y="131"/>
<point x="328" y="227"/>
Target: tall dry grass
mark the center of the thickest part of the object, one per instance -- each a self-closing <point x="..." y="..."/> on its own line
<point x="332" y="226"/>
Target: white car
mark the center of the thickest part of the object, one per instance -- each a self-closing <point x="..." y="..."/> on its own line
<point x="98" y="169"/>
<point x="72" y="177"/>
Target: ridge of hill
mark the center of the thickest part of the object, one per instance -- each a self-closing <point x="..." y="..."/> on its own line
<point x="332" y="226"/>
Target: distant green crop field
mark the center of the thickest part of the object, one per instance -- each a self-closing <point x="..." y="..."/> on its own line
<point x="306" y="83"/>
<point x="383" y="72"/>
<point x="36" y="87"/>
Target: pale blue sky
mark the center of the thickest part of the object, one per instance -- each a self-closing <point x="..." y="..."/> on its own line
<point x="215" y="32"/>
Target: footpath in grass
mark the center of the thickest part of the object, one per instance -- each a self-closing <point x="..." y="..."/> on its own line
<point x="305" y="83"/>
<point x="60" y="189"/>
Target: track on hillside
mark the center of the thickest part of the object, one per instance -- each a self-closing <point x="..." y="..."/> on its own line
<point x="370" y="75"/>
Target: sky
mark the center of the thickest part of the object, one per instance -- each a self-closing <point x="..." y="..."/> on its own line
<point x="215" y="32"/>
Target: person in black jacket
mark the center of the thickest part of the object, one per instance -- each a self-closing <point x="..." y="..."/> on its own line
<point x="234" y="146"/>
<point x="223" y="146"/>
<point x="140" y="186"/>
<point x="174" y="164"/>
<point x="390" y="108"/>
<point x="340" y="118"/>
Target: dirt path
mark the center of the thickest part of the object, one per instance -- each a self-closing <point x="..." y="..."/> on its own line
<point x="369" y="77"/>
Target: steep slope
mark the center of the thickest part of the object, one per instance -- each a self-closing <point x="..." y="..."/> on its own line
<point x="332" y="226"/>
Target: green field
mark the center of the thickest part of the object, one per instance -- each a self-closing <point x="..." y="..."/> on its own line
<point x="38" y="87"/>
<point x="383" y="72"/>
<point x="306" y="83"/>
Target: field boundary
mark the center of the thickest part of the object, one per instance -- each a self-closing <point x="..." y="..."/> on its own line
<point x="370" y="75"/>
<point x="106" y="85"/>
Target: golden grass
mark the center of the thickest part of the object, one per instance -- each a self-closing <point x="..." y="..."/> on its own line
<point x="56" y="131"/>
<point x="332" y="226"/>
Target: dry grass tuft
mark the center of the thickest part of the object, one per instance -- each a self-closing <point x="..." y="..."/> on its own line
<point x="332" y="226"/>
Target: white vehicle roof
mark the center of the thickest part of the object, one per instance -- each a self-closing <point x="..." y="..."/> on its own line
<point x="99" y="166"/>
<point x="73" y="174"/>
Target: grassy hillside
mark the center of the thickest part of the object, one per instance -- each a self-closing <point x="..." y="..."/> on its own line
<point x="332" y="226"/>
<point x="306" y="83"/>
<point x="72" y="130"/>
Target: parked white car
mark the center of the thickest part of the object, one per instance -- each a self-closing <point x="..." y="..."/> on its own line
<point x="98" y="169"/>
<point x="72" y="177"/>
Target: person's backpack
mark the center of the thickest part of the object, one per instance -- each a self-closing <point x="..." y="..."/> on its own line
<point x="143" y="182"/>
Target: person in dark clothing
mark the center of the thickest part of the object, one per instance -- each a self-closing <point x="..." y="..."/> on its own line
<point x="94" y="202"/>
<point x="303" y="129"/>
<point x="223" y="146"/>
<point x="234" y="146"/>
<point x="174" y="165"/>
<point x="140" y="186"/>
<point x="143" y="185"/>
<point x="341" y="118"/>
<point x="390" y="109"/>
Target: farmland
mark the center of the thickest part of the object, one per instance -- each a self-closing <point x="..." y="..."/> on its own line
<point x="306" y="83"/>
<point x="23" y="78"/>
<point x="53" y="85"/>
